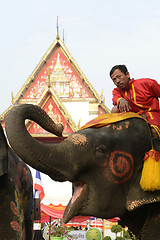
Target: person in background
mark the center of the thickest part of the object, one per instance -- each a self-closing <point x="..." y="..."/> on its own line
<point x="138" y="96"/>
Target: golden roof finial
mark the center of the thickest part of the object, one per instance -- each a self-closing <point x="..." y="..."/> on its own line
<point x="12" y="97"/>
<point x="57" y="29"/>
<point x="101" y="96"/>
<point x="63" y="35"/>
<point x="79" y="123"/>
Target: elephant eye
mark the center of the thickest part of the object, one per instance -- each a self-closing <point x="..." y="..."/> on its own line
<point x="101" y="148"/>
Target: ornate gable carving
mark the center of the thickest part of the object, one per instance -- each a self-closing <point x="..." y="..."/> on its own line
<point x="58" y="83"/>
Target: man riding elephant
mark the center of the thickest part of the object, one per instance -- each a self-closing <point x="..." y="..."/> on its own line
<point x="139" y="96"/>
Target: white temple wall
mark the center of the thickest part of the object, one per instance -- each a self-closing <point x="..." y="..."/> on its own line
<point x="79" y="111"/>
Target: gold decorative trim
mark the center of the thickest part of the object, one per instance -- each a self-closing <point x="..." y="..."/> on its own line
<point x="93" y="113"/>
<point x="79" y="100"/>
<point x="22" y="101"/>
<point x="2" y="116"/>
<point x="106" y="109"/>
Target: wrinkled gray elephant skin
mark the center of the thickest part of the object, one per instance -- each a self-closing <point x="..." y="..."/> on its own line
<point x="104" y="164"/>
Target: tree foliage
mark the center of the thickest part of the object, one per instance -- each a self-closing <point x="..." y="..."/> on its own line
<point x="106" y="238"/>
<point x="116" y="229"/>
<point x="126" y="234"/>
<point x="119" y="238"/>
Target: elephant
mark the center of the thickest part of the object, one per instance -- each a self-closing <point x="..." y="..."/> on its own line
<point x="16" y="195"/>
<point x="103" y="164"/>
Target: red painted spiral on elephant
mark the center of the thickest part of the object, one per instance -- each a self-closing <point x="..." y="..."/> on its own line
<point x="119" y="166"/>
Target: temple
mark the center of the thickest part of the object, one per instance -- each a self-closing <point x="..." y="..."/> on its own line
<point x="58" y="85"/>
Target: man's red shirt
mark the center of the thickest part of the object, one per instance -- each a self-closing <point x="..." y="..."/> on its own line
<point x="142" y="96"/>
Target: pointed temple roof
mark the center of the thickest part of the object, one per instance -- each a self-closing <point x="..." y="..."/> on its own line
<point x="59" y="86"/>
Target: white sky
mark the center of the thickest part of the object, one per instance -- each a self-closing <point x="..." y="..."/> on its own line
<point x="98" y="34"/>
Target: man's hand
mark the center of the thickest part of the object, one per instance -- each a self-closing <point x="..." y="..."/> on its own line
<point x="123" y="105"/>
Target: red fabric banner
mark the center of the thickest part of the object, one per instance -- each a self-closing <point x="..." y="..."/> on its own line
<point x="57" y="211"/>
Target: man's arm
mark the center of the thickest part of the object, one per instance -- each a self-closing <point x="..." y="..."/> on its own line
<point x="121" y="103"/>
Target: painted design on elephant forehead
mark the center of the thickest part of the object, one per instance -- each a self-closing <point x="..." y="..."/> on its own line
<point x="108" y="125"/>
<point x="120" y="127"/>
<point x="127" y="124"/>
<point x="119" y="166"/>
<point x="78" y="139"/>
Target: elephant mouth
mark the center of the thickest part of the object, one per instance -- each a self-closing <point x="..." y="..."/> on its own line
<point x="75" y="205"/>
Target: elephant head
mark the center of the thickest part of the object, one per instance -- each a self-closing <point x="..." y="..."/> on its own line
<point x="104" y="164"/>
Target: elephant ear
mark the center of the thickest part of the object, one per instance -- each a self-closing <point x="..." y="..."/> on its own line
<point x="137" y="197"/>
<point x="3" y="153"/>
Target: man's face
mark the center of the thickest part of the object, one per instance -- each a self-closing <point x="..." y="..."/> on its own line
<point x="120" y="79"/>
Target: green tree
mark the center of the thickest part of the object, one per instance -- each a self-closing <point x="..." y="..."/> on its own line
<point x="116" y="229"/>
<point x="106" y="238"/>
<point x="119" y="238"/>
<point x="126" y="234"/>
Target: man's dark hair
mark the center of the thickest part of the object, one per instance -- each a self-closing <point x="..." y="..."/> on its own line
<point x="122" y="68"/>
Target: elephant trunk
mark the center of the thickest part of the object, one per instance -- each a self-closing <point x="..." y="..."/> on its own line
<point x="41" y="156"/>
